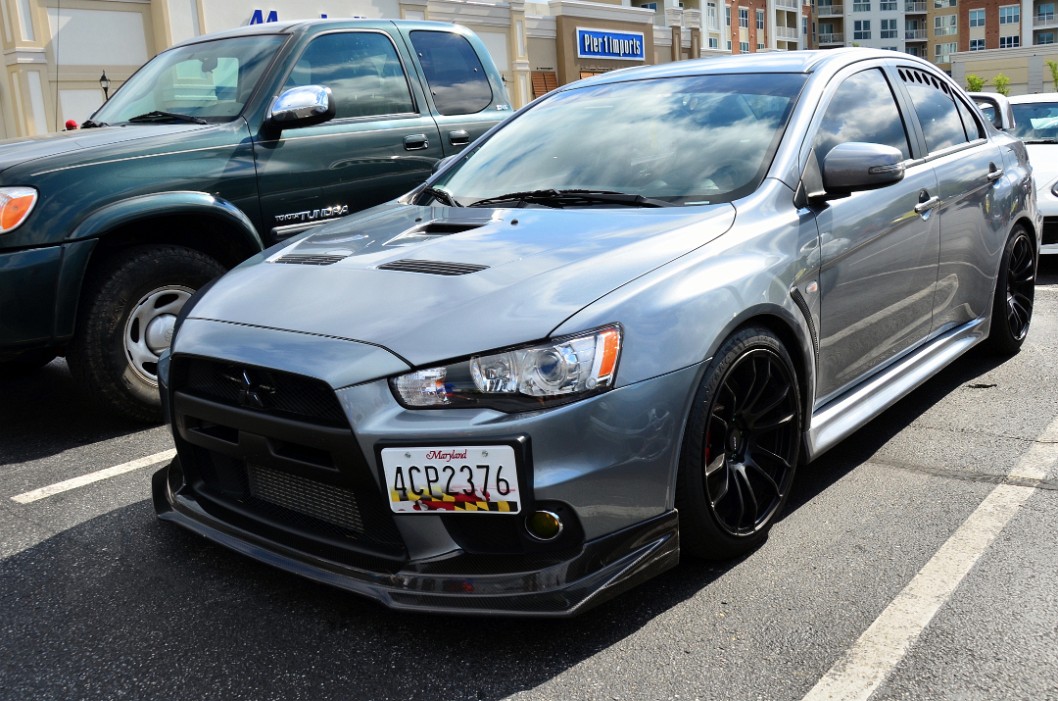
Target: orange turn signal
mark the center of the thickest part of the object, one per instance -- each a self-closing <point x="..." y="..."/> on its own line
<point x="15" y="205"/>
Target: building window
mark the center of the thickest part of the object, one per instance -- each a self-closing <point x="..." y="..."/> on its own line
<point x="945" y="25"/>
<point x="1045" y="38"/>
<point x="543" y="82"/>
<point x="861" y="6"/>
<point x="942" y="52"/>
<point x="941" y="4"/>
<point x="711" y="16"/>
<point x="1009" y="42"/>
<point x="977" y="18"/>
<point x="861" y="29"/>
<point x="760" y="19"/>
<point x="888" y="29"/>
<point x="743" y="47"/>
<point x="977" y="45"/>
<point x="887" y="6"/>
<point x="649" y="6"/>
<point x="728" y="44"/>
<point x="743" y="17"/>
<point x="1045" y="12"/>
<point x="714" y="43"/>
<point x="1011" y="14"/>
<point x="804" y="26"/>
<point x="760" y="47"/>
<point x="727" y="15"/>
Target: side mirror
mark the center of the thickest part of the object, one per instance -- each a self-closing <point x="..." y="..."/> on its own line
<point x="996" y="109"/>
<point x="301" y="107"/>
<point x="855" y="166"/>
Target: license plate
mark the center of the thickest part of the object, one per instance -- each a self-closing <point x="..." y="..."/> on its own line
<point x="467" y="479"/>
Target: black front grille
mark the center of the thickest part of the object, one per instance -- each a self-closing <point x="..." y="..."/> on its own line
<point x="322" y="502"/>
<point x="273" y="454"/>
<point x="258" y="389"/>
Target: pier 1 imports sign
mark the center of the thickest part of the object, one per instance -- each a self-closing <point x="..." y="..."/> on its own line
<point x="606" y="44"/>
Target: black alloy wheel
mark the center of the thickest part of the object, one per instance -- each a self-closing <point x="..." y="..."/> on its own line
<point x="742" y="446"/>
<point x="1014" y="295"/>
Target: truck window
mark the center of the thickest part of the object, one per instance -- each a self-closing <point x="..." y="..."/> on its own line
<point x="362" y="70"/>
<point x="454" y="72"/>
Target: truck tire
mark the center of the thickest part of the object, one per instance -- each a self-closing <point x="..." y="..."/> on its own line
<point x="127" y="321"/>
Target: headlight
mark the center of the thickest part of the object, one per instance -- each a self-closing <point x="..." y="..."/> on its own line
<point x="521" y="379"/>
<point x="15" y="205"/>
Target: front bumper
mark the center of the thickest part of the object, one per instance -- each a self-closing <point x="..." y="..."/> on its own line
<point x="299" y="486"/>
<point x="458" y="582"/>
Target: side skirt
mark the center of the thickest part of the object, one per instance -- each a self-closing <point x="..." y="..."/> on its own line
<point x="838" y="418"/>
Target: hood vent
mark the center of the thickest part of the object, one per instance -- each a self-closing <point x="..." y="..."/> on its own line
<point x="311" y="258"/>
<point x="432" y="267"/>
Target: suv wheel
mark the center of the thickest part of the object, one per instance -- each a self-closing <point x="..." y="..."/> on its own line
<point x="128" y="321"/>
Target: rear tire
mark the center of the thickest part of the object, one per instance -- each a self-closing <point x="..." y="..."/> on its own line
<point x="740" y="451"/>
<point x="1015" y="292"/>
<point x="127" y="322"/>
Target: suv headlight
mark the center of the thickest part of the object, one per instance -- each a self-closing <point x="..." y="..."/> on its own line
<point x="520" y="379"/>
<point x="15" y="205"/>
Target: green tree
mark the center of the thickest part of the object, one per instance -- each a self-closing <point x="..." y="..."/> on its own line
<point x="1053" y="65"/>
<point x="1002" y="84"/>
<point x="975" y="83"/>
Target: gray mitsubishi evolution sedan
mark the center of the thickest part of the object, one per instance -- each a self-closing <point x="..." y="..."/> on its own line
<point x="602" y="338"/>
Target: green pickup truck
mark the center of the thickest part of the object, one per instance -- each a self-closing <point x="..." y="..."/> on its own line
<point x="212" y="151"/>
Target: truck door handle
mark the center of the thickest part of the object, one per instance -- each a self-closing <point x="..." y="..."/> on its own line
<point x="416" y="142"/>
<point x="459" y="137"/>
<point x="994" y="173"/>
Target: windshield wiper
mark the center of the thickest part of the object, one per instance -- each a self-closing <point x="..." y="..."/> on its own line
<point x="158" y="116"/>
<point x="89" y="124"/>
<point x="573" y="198"/>
<point x="441" y="196"/>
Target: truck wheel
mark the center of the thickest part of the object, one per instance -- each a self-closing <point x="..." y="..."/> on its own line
<point x="127" y="322"/>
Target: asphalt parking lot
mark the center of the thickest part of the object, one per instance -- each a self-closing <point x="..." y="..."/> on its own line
<point x="918" y="560"/>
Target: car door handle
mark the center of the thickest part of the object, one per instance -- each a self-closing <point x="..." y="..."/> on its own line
<point x="416" y="142"/>
<point x="459" y="137"/>
<point x="994" y="173"/>
<point x="931" y="203"/>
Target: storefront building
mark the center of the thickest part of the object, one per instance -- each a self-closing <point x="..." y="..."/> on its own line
<point x="55" y="52"/>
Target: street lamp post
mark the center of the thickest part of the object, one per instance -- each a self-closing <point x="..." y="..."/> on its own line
<point x="104" y="83"/>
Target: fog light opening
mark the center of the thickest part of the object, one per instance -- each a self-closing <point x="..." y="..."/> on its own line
<point x="543" y="525"/>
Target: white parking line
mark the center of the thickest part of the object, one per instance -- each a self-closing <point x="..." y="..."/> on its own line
<point x="67" y="485"/>
<point x="863" y="668"/>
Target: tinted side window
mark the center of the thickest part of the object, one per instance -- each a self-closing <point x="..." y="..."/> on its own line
<point x="970" y="124"/>
<point x="454" y="72"/>
<point x="936" y="110"/>
<point x="863" y="109"/>
<point x="361" y="69"/>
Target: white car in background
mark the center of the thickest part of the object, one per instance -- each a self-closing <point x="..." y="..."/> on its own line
<point x="1036" y="124"/>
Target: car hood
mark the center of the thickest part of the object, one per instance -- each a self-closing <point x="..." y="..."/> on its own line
<point x="434" y="284"/>
<point x="65" y="148"/>
<point x="1044" y="159"/>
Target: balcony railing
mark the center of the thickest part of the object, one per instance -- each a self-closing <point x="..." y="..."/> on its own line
<point x="944" y="32"/>
<point x="834" y="38"/>
<point x="787" y="5"/>
<point x="1044" y="20"/>
<point x="915" y="7"/>
<point x="916" y="34"/>
<point x="786" y="33"/>
<point x="830" y="10"/>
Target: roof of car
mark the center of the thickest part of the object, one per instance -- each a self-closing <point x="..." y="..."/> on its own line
<point x="1034" y="97"/>
<point x="312" y="25"/>
<point x="806" y="61"/>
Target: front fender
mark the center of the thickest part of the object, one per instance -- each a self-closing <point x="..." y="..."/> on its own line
<point x="118" y="214"/>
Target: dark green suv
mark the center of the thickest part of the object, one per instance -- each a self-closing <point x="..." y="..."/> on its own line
<point x="212" y="151"/>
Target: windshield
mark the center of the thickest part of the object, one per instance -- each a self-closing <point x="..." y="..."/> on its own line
<point x="1036" y="121"/>
<point x="687" y="140"/>
<point x="209" y="81"/>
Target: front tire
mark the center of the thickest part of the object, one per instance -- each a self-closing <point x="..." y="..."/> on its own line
<point x="1015" y="292"/>
<point x="741" y="447"/>
<point x="127" y="322"/>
